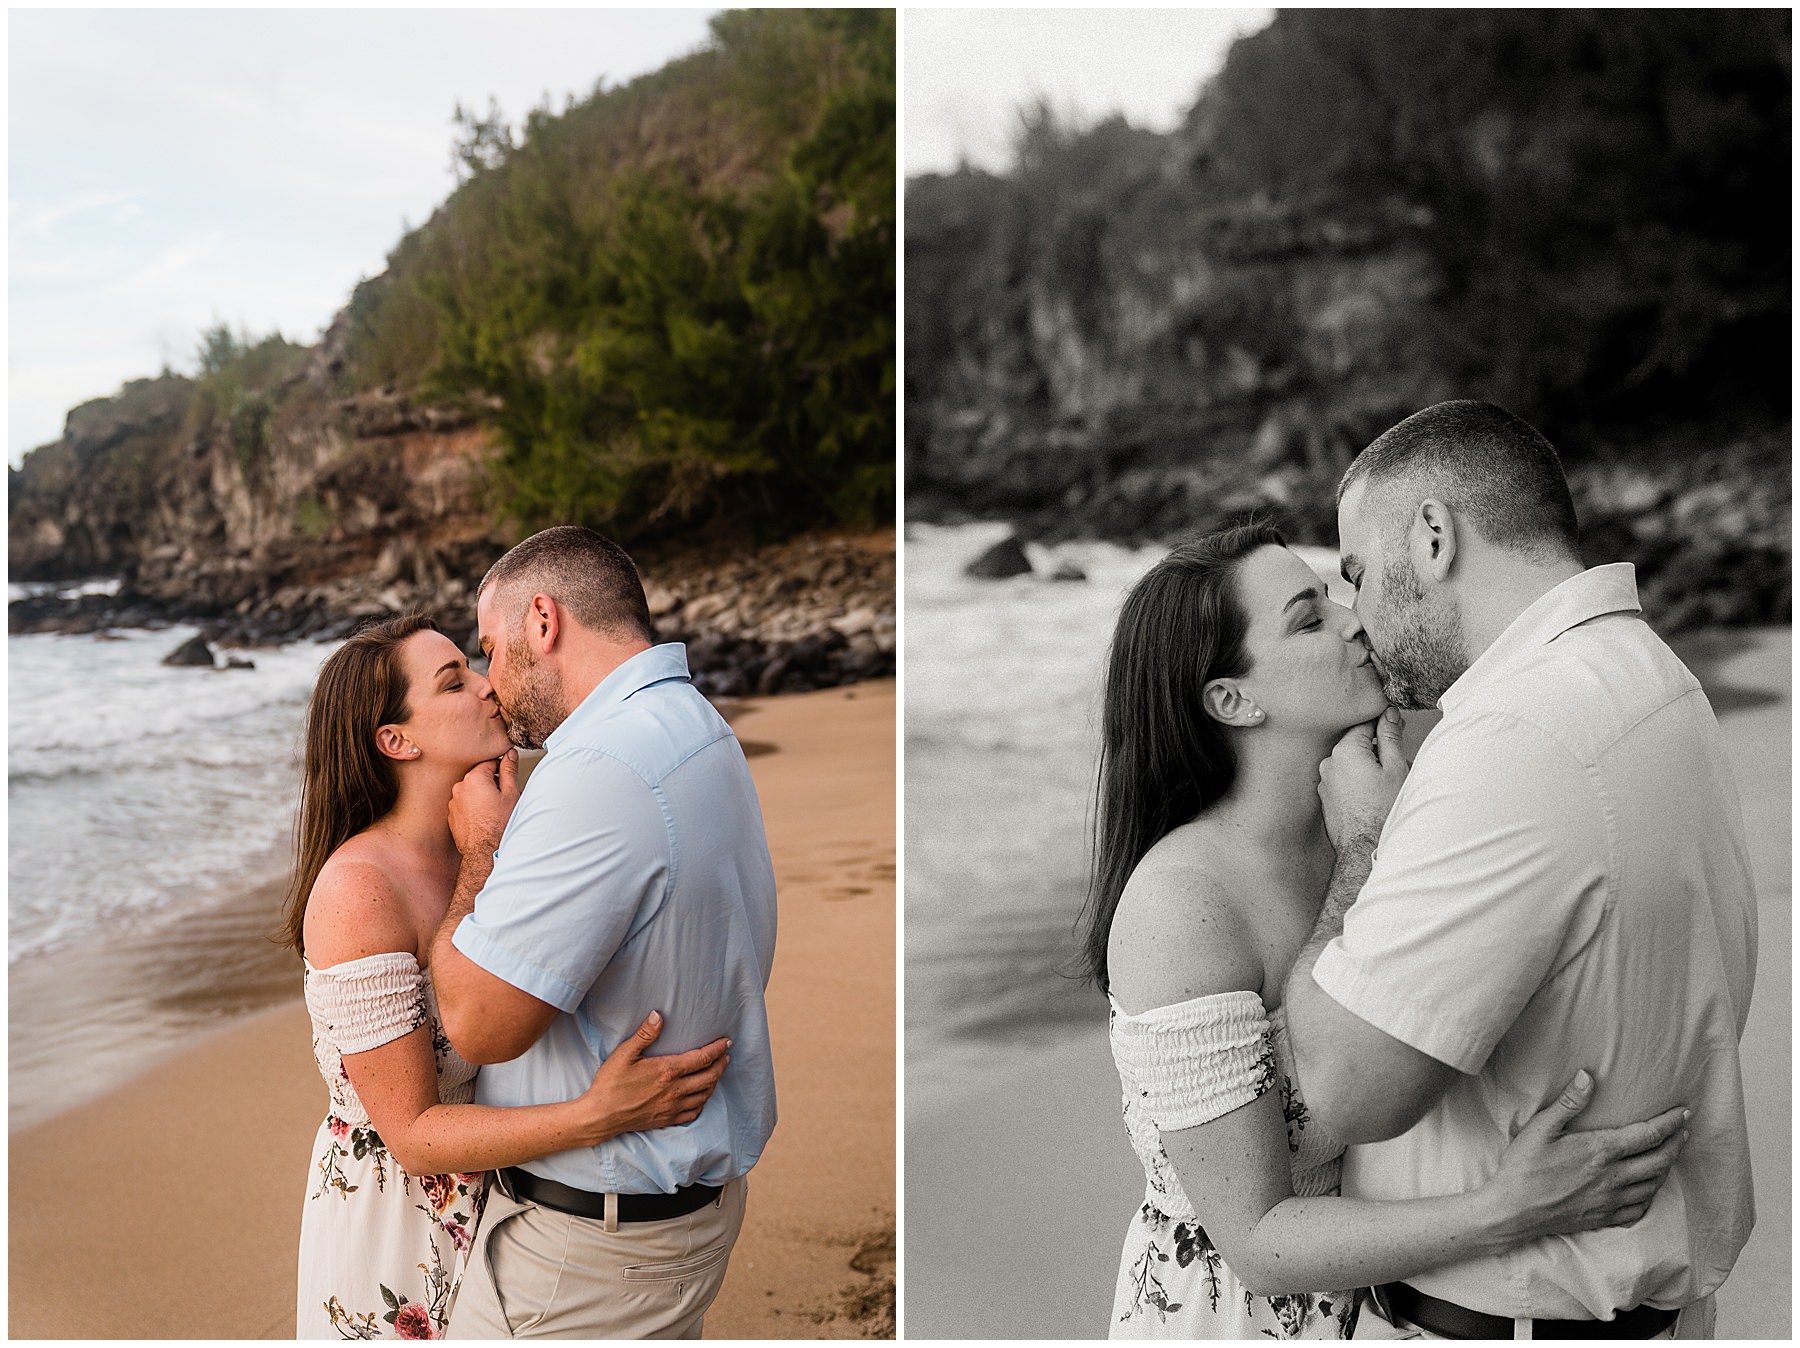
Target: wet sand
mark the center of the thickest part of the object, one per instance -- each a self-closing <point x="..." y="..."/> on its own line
<point x="1019" y="1180"/>
<point x="169" y="1207"/>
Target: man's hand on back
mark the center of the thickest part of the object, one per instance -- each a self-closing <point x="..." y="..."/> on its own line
<point x="1361" y="779"/>
<point x="482" y="802"/>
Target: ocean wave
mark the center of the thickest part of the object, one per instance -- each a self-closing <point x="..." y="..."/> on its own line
<point x="79" y="703"/>
<point x="135" y="790"/>
<point x="62" y="589"/>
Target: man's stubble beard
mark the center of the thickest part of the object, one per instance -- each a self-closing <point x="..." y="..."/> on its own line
<point x="1422" y="651"/>
<point x="534" y="711"/>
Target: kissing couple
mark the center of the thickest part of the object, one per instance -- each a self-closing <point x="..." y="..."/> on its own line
<point x="1447" y="1050"/>
<point x="576" y="1185"/>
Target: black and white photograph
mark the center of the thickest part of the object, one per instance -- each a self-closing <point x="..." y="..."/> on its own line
<point x="1347" y="673"/>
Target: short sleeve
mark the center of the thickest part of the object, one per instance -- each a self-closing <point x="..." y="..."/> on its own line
<point x="1492" y="872"/>
<point x="1197" y="1060"/>
<point x="583" y="864"/>
<point x="368" y="1002"/>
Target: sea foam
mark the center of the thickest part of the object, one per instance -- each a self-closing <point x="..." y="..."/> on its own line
<point x="137" y="790"/>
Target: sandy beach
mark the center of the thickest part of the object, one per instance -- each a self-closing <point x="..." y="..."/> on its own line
<point x="1019" y="1180"/>
<point x="170" y="1206"/>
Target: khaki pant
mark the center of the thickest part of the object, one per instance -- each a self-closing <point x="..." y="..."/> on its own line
<point x="1691" y="1322"/>
<point x="535" y="1273"/>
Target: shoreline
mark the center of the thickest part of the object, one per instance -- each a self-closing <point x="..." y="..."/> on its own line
<point x="189" y="979"/>
<point x="817" y="610"/>
<point x="181" y="1181"/>
<point x="960" y="1005"/>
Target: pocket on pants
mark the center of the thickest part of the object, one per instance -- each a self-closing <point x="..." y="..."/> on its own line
<point x="524" y="1257"/>
<point x="671" y="1270"/>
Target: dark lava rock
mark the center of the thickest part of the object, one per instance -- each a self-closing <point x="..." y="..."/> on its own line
<point x="772" y="676"/>
<point x="193" y="651"/>
<point x="1005" y="558"/>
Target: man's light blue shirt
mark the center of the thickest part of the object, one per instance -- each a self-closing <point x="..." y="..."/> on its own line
<point x="634" y="876"/>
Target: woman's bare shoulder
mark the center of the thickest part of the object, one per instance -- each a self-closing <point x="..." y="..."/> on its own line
<point x="356" y="909"/>
<point x="1180" y="931"/>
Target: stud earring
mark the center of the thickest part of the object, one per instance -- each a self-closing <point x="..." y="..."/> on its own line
<point x="1256" y="714"/>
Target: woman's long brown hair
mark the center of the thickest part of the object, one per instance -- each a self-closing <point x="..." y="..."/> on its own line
<point x="347" y="783"/>
<point x="1162" y="758"/>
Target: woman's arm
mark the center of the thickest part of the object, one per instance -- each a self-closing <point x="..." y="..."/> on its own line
<point x="1235" y="1171"/>
<point x="1178" y="936"/>
<point x="397" y="1084"/>
<point x="356" y="911"/>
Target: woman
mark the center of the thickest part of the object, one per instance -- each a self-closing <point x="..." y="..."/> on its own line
<point x="397" y="719"/>
<point x="1231" y="676"/>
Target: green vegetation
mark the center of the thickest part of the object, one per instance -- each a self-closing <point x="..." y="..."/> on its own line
<point x="675" y="299"/>
<point x="238" y="383"/>
<point x="315" y="519"/>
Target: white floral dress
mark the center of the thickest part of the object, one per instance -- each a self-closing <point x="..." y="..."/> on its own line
<point x="380" y="1250"/>
<point x="1181" y="1066"/>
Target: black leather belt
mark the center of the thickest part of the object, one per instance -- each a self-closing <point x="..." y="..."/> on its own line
<point x="1448" y="1320"/>
<point x="522" y="1184"/>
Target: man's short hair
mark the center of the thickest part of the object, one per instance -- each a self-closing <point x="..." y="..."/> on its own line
<point x="1483" y="462"/>
<point x="593" y="577"/>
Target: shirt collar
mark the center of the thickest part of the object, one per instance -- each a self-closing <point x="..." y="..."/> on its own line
<point x="1598" y="590"/>
<point x="657" y="665"/>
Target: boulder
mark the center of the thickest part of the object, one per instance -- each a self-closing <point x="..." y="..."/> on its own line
<point x="1005" y="558"/>
<point x="192" y="652"/>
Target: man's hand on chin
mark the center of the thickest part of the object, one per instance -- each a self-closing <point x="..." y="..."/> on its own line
<point x="482" y="802"/>
<point x="1360" y="781"/>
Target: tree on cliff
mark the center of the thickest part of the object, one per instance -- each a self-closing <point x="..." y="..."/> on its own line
<point x="677" y="297"/>
<point x="1582" y="214"/>
<point x="1605" y="191"/>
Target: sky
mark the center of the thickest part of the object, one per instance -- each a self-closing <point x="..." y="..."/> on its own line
<point x="967" y="72"/>
<point x="172" y="169"/>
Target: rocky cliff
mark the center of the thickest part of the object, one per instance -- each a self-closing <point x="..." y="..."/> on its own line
<point x="665" y="312"/>
<point x="324" y="510"/>
<point x="1134" y="335"/>
<point x="312" y="511"/>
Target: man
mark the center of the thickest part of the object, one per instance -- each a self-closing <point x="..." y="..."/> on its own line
<point x="1562" y="884"/>
<point x="633" y="874"/>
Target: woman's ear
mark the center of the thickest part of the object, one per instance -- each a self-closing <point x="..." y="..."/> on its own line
<point x="1434" y="538"/>
<point x="391" y="741"/>
<point x="1226" y="702"/>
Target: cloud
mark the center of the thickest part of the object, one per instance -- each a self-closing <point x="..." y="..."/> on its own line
<point x="43" y="220"/>
<point x="64" y="266"/>
<point x="170" y="264"/>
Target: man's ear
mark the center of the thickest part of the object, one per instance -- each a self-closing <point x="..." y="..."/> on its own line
<point x="1433" y="538"/>
<point x="1227" y="703"/>
<point x="543" y="623"/>
<point x="391" y="741"/>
